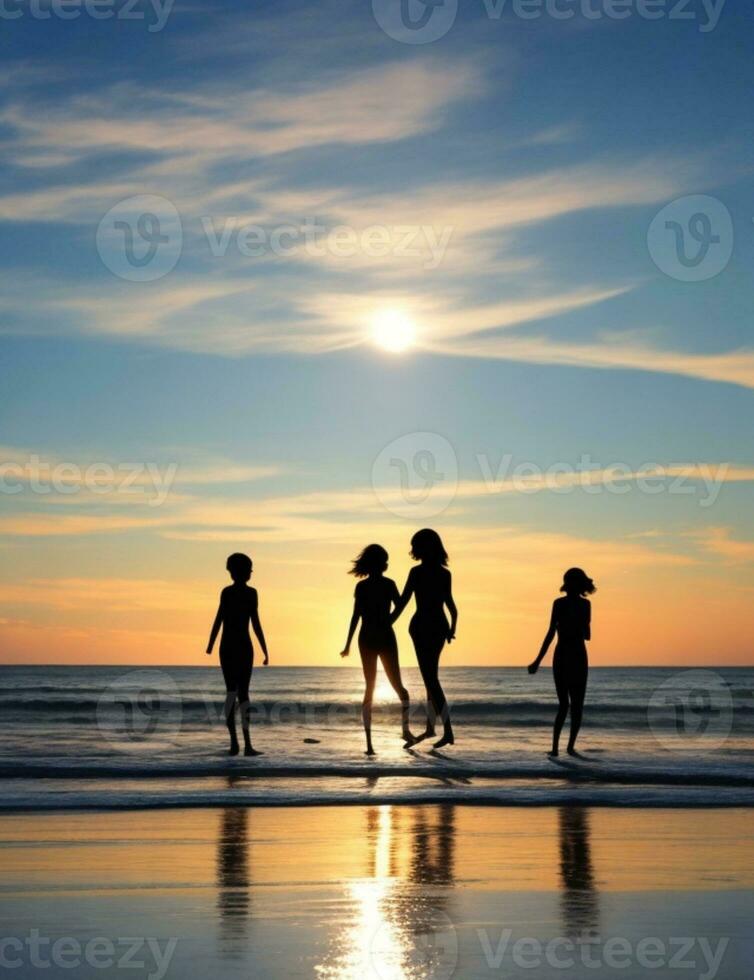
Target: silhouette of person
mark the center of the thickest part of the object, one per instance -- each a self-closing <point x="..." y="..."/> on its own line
<point x="239" y="605"/>
<point x="579" y="901"/>
<point x="571" y="620"/>
<point x="430" y="583"/>
<point x="374" y="597"/>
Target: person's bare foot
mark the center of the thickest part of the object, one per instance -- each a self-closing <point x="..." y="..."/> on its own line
<point x="250" y="751"/>
<point x="427" y="733"/>
<point x="553" y="754"/>
<point x="409" y="739"/>
<point x="370" y="751"/>
<point x="234" y="749"/>
<point x="447" y="739"/>
<point x="576" y="755"/>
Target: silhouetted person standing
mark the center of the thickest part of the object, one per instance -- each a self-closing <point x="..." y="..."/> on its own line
<point x="430" y="583"/>
<point x="571" y="621"/>
<point x="239" y="606"/>
<point x="374" y="597"/>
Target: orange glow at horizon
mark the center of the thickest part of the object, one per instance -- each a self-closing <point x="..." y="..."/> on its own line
<point x="640" y="612"/>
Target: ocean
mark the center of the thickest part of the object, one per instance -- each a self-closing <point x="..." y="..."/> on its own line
<point x="149" y="737"/>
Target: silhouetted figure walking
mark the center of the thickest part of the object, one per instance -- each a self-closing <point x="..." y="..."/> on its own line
<point x="239" y="605"/>
<point x="374" y="597"/>
<point x="430" y="583"/>
<point x="571" y="621"/>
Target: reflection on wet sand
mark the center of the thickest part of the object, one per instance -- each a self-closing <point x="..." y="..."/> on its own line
<point x="580" y="899"/>
<point x="397" y="923"/>
<point x="395" y="916"/>
<point x="233" y="896"/>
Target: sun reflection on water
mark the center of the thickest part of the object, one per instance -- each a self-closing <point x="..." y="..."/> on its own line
<point x="398" y="927"/>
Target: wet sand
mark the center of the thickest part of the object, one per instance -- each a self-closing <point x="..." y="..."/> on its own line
<point x="412" y="891"/>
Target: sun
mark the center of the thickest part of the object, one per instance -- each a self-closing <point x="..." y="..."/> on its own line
<point x="393" y="330"/>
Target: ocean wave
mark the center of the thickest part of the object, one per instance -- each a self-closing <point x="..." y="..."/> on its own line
<point x="650" y="772"/>
<point x="69" y="700"/>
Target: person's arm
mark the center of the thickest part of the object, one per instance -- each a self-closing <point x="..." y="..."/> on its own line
<point x="403" y="599"/>
<point x="452" y="609"/>
<point x="550" y="636"/>
<point x="257" y="627"/>
<point x="588" y="628"/>
<point x="355" y="617"/>
<point x="215" y="627"/>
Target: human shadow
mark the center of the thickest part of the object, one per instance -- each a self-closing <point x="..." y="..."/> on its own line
<point x="233" y="881"/>
<point x="433" y="848"/>
<point x="579" y="895"/>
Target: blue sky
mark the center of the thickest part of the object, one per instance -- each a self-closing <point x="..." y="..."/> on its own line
<point x="535" y="154"/>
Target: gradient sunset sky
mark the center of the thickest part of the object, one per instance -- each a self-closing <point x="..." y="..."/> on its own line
<point x="535" y="154"/>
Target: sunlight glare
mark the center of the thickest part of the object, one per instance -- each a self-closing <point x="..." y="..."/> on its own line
<point x="393" y="330"/>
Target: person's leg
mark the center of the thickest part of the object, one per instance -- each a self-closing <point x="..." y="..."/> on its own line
<point x="577" y="693"/>
<point x="229" y="709"/>
<point x="561" y="687"/>
<point x="422" y="660"/>
<point x="431" y="726"/>
<point x="393" y="672"/>
<point x="430" y="667"/>
<point x="438" y="696"/>
<point x="244" y="705"/>
<point x="369" y="666"/>
<point x="230" y="719"/>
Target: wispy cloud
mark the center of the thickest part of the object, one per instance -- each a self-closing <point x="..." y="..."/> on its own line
<point x="187" y="466"/>
<point x="731" y="367"/>
<point x="195" y="147"/>
<point x="186" y="135"/>
<point x="722" y="543"/>
<point x="324" y="515"/>
<point x="115" y="594"/>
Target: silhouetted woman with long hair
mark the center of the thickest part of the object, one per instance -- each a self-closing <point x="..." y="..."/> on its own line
<point x="430" y="583"/>
<point x="374" y="598"/>
<point x="571" y="620"/>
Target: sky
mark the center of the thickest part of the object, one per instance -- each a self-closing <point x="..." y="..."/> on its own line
<point x="287" y="278"/>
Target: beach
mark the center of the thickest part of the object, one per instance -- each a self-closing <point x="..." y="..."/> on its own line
<point x="385" y="891"/>
<point x="123" y="821"/>
<point x="114" y="738"/>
